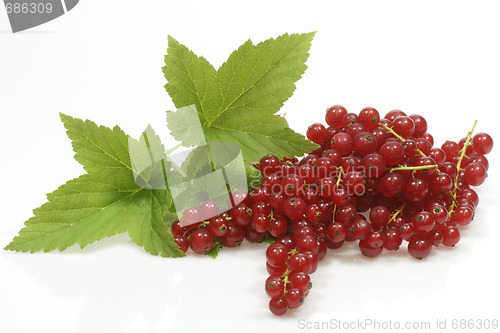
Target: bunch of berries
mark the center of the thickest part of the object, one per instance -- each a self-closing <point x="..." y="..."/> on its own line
<point x="376" y="181"/>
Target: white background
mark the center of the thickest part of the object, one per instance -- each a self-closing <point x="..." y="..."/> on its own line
<point x="102" y="61"/>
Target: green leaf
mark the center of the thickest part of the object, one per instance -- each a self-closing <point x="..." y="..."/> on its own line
<point x="238" y="102"/>
<point x="214" y="252"/>
<point x="104" y="202"/>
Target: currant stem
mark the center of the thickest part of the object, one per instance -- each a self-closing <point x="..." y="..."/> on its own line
<point x="339" y="179"/>
<point x="396" y="213"/>
<point x="421" y="167"/>
<point x="459" y="164"/>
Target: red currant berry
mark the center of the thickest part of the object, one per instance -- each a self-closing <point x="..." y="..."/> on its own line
<point x="182" y="242"/>
<point x="277" y="254"/>
<point x="391" y="115"/>
<point x="278" y="226"/>
<point x="404" y="126"/>
<point x="369" y="117"/>
<point x="334" y="116"/>
<point x="315" y="133"/>
<point x="451" y="236"/>
<point x="294" y="207"/>
<point x="475" y="174"/>
<point x="233" y="236"/>
<point x="391" y="184"/>
<point x="241" y="215"/>
<point x="269" y="165"/>
<point x="299" y="262"/>
<point x="294" y="298"/>
<point x="217" y="226"/>
<point x="393" y="152"/>
<point x="343" y="143"/>
<point x="364" y="143"/>
<point x="261" y="222"/>
<point x="419" y="248"/>
<point x="274" y="286"/>
<point x="369" y="251"/>
<point x="201" y="241"/>
<point x="482" y="143"/>
<point x="301" y="281"/>
<point x="278" y="306"/>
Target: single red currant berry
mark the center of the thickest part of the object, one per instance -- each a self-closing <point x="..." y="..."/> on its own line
<point x="369" y="117"/>
<point x="315" y="133"/>
<point x="278" y="226"/>
<point x="374" y="165"/>
<point x="274" y="286"/>
<point x="419" y="247"/>
<point x="294" y="207"/>
<point x="307" y="243"/>
<point x="406" y="231"/>
<point x="482" y="143"/>
<point x="435" y="237"/>
<point x="241" y="215"/>
<point x="217" y="226"/>
<point x="463" y="215"/>
<point x="416" y="189"/>
<point x="286" y="240"/>
<point x="336" y="232"/>
<point x="334" y="115"/>
<point x="233" y="236"/>
<point x="355" y="129"/>
<point x="299" y="262"/>
<point x="451" y="236"/>
<point x="475" y="174"/>
<point x="423" y="221"/>
<point x="354" y="182"/>
<point x="182" y="242"/>
<point x="349" y="119"/>
<point x="252" y="235"/>
<point x="201" y="241"/>
<point x="364" y="143"/>
<point x="369" y="251"/>
<point x="301" y="281"/>
<point x="391" y="184"/>
<point x="420" y="125"/>
<point x="190" y="215"/>
<point x="208" y="209"/>
<point x="269" y="165"/>
<point x="404" y="126"/>
<point x="176" y="228"/>
<point x="294" y="298"/>
<point x="313" y="213"/>
<point x="343" y="143"/>
<point x="450" y="149"/>
<point x="392" y="239"/>
<point x="278" y="306"/>
<point x="375" y="239"/>
<point x="379" y="216"/>
<point x="277" y="254"/>
<point x="261" y="194"/>
<point x="391" y="115"/>
<point x="361" y="228"/>
<point x="261" y="222"/>
<point x="261" y="208"/>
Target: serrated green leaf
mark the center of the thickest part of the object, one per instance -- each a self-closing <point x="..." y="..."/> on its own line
<point x="238" y="102"/>
<point x="104" y="202"/>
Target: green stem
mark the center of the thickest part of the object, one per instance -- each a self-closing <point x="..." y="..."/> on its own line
<point x="421" y="167"/>
<point x="459" y="164"/>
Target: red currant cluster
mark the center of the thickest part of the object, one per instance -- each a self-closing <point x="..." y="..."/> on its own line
<point x="375" y="181"/>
